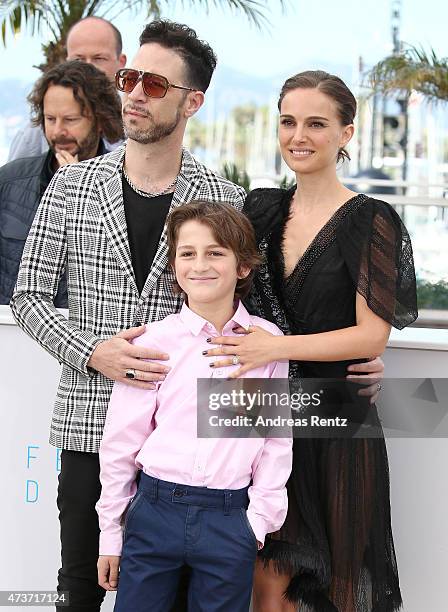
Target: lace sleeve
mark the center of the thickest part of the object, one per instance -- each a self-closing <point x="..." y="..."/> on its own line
<point x="377" y="250"/>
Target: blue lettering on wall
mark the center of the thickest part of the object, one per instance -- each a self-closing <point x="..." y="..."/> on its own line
<point x="32" y="491"/>
<point x="30" y="456"/>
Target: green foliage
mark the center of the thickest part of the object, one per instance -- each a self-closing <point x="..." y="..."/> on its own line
<point x="231" y="172"/>
<point x="286" y="182"/>
<point x="432" y="295"/>
<point x="60" y="15"/>
<point x="412" y="70"/>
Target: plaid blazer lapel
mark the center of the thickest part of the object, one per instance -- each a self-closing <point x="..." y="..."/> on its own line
<point x="187" y="187"/>
<point x="110" y="192"/>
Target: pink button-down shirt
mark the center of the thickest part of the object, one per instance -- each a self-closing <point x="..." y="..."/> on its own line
<point x="155" y="430"/>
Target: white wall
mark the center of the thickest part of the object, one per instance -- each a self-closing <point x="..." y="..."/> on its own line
<point x="419" y="485"/>
<point x="28" y="514"/>
<point x="29" y="526"/>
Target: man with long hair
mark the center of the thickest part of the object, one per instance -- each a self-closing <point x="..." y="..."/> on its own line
<point x="76" y="106"/>
<point x="93" y="40"/>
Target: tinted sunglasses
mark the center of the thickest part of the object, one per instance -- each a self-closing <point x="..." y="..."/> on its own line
<point x="154" y="85"/>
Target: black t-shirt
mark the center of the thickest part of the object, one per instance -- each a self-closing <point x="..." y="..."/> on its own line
<point x="145" y="219"/>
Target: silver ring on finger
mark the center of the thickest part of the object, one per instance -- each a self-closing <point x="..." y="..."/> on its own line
<point x="379" y="386"/>
<point x="131" y="374"/>
<point x="235" y="360"/>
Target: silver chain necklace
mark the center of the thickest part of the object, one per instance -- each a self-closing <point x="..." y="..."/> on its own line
<point x="147" y="194"/>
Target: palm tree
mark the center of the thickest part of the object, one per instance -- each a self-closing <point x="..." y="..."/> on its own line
<point x="60" y="15"/>
<point x="232" y="173"/>
<point x="412" y="70"/>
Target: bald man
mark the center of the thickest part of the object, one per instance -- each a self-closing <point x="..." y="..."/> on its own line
<point x="93" y="40"/>
<point x="96" y="41"/>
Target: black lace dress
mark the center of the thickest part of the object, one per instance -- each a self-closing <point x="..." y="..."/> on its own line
<point x="337" y="540"/>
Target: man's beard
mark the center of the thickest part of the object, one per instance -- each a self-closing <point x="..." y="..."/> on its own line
<point x="85" y="149"/>
<point x="155" y="132"/>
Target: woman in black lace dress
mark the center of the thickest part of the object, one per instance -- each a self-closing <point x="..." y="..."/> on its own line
<point x="338" y="270"/>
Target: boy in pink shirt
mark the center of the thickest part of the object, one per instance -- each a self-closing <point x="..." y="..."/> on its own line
<point x="207" y="503"/>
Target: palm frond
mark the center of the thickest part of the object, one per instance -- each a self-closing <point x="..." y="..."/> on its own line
<point x="253" y="10"/>
<point x="413" y="69"/>
<point x="232" y="173"/>
<point x="133" y="6"/>
<point x="60" y="15"/>
<point x="61" y="7"/>
<point x="286" y="182"/>
<point x="20" y="15"/>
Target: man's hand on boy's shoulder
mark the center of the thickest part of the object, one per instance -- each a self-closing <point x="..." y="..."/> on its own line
<point x="368" y="374"/>
<point x="108" y="566"/>
<point x="117" y="355"/>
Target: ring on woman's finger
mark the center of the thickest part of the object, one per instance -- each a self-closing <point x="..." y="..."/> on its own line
<point x="235" y="360"/>
<point x="130" y="374"/>
<point x="379" y="386"/>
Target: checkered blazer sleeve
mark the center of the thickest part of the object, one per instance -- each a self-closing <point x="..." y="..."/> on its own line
<point x="43" y="262"/>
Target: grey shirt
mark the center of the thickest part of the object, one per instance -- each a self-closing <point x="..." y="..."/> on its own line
<point x="28" y="142"/>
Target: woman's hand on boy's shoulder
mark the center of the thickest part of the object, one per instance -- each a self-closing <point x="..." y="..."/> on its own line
<point x="253" y="348"/>
<point x="108" y="567"/>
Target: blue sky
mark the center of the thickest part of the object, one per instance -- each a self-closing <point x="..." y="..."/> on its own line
<point x="305" y="34"/>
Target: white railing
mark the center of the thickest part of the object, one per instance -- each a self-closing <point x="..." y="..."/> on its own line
<point x="409" y="338"/>
<point x="417" y="194"/>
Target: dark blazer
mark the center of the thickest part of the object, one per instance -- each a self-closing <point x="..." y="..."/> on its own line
<point x="22" y="184"/>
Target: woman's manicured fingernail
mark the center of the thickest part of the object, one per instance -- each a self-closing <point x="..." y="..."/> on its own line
<point x="208" y="340"/>
<point x="211" y="364"/>
<point x="204" y="352"/>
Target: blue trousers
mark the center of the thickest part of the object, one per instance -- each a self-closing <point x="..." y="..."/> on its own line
<point x="168" y="525"/>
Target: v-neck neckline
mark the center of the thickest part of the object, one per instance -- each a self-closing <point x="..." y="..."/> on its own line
<point x="289" y="289"/>
<point x="323" y="232"/>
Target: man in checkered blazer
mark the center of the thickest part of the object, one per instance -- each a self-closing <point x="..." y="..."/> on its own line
<point x="102" y="221"/>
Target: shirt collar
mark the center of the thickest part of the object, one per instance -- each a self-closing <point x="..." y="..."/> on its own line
<point x="102" y="149"/>
<point x="196" y="323"/>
